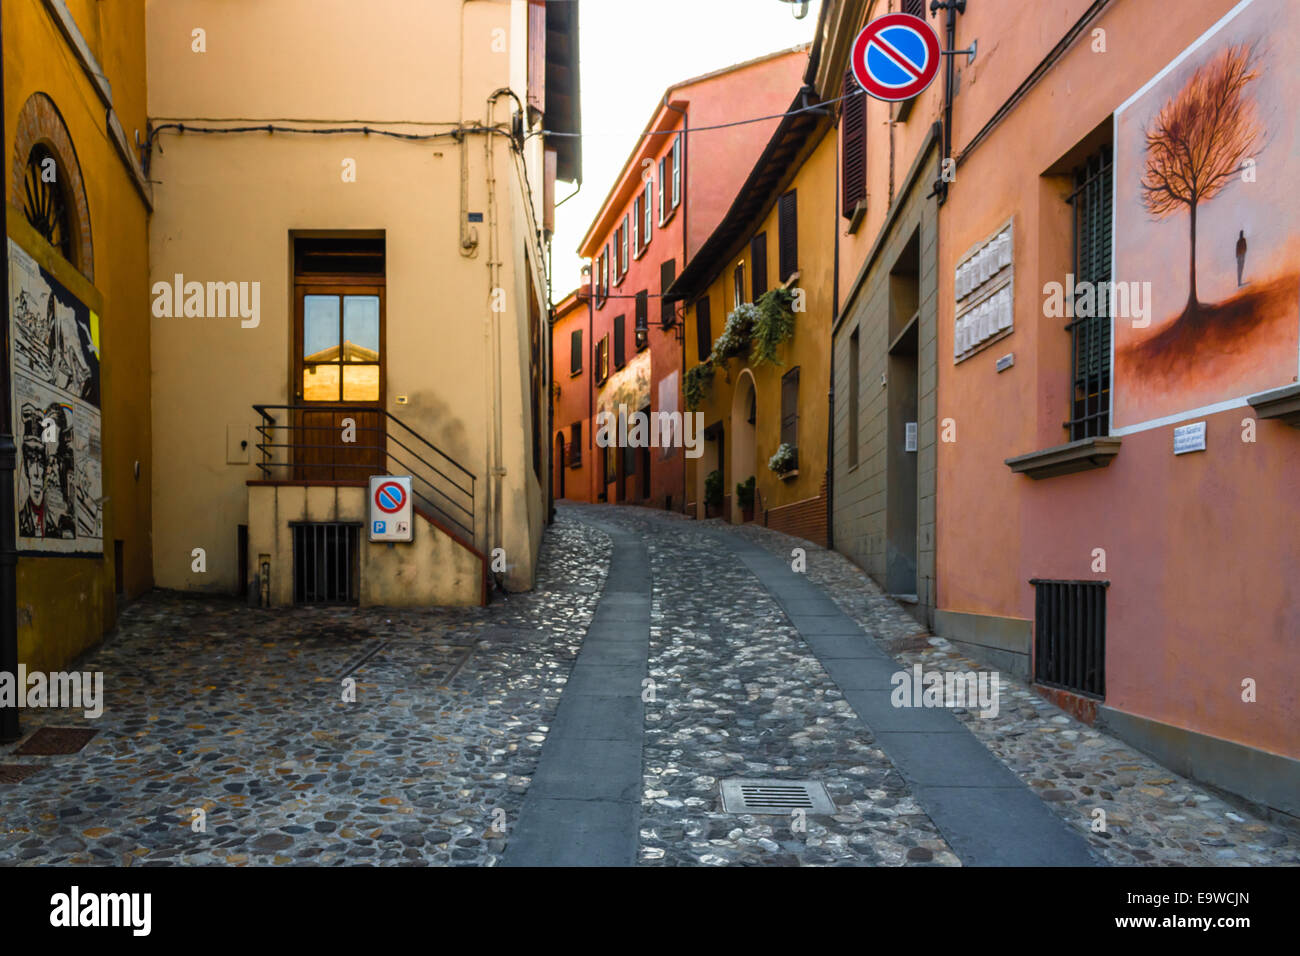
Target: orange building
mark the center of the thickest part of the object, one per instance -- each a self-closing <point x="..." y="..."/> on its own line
<point x="1118" y="342"/>
<point x="571" y="398"/>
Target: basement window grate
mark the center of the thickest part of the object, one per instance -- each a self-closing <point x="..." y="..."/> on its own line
<point x="774" y="796"/>
<point x="1070" y="635"/>
<point x="326" y="562"/>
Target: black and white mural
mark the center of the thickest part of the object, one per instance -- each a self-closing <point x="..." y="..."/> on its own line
<point x="54" y="352"/>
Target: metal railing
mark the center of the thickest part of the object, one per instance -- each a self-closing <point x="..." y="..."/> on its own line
<point x="440" y="484"/>
<point x="1070" y="635"/>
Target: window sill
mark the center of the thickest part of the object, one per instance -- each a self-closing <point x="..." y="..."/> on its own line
<point x="1082" y="455"/>
<point x="855" y="219"/>
<point x="668" y="218"/>
<point x="1279" y="404"/>
<point x="787" y="475"/>
<point x="576" y="374"/>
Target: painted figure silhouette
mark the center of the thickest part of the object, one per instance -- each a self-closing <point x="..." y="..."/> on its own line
<point x="1241" y="255"/>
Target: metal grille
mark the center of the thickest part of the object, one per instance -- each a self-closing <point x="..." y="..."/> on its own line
<point x="1070" y="635"/>
<point x="774" y="796"/>
<point x="326" y="562"/>
<point x="1090" y="335"/>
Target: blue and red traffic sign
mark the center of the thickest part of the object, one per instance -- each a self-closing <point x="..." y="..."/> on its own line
<point x="389" y="497"/>
<point x="896" y="56"/>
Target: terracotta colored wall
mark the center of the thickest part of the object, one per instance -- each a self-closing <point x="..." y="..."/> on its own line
<point x="1201" y="556"/>
<point x="572" y="405"/>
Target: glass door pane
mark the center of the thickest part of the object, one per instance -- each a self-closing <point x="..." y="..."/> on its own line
<point x="320" y="348"/>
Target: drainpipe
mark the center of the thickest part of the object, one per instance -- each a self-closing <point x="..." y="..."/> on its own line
<point x="830" y="395"/>
<point x="686" y="147"/>
<point x="952" y="7"/>
<point x="9" y="729"/>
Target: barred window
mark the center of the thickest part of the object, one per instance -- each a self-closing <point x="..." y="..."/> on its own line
<point x="1090" y="334"/>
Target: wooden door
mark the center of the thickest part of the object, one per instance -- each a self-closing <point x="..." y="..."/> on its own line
<point x="339" y="382"/>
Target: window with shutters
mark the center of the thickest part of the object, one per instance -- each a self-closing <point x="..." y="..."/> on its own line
<point x="602" y="359"/>
<point x="790" y="408"/>
<point x="853" y="149"/>
<point x="575" y="352"/>
<point x="677" y="171"/>
<point x="738" y="284"/>
<point x="537" y="55"/>
<point x="788" y="234"/>
<point x="636" y="227"/>
<point x="645" y="212"/>
<point x="619" y="360"/>
<point x="604" y="275"/>
<point x="622" y="244"/>
<point x="663" y="187"/>
<point x="575" y="444"/>
<point x="618" y="257"/>
<point x="703" y="329"/>
<point x="915" y="7"/>
<point x="667" y="273"/>
<point x="642" y="319"/>
<point x="1090" y="335"/>
<point x="758" y="265"/>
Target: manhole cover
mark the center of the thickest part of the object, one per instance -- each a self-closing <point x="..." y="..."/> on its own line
<point x="774" y="796"/>
<point x="17" y="772"/>
<point x="55" y="740"/>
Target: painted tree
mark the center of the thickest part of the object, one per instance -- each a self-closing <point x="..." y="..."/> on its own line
<point x="1196" y="143"/>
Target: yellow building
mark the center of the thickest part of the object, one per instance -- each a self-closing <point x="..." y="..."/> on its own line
<point x="76" y="212"/>
<point x="765" y="417"/>
<point x="348" y="271"/>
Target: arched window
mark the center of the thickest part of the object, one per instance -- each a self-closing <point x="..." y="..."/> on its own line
<point x="45" y="200"/>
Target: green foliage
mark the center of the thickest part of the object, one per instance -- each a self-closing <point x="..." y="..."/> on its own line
<point x="698" y="384"/>
<point x="713" y="489"/>
<point x="786" y="459"/>
<point x="745" y="493"/>
<point x="735" y="337"/>
<point x="773" y="325"/>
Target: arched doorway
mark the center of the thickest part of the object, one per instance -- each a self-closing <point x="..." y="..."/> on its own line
<point x="560" y="462"/>
<point x="744" y="419"/>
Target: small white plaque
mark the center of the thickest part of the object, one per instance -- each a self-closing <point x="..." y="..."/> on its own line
<point x="1189" y="438"/>
<point x="1006" y="361"/>
<point x="909" y="437"/>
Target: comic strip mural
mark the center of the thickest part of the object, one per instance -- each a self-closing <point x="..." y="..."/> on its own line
<point x="55" y="371"/>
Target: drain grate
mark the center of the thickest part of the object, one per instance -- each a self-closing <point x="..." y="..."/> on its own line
<point x="774" y="796"/>
<point x="55" y="740"/>
<point x="17" y="772"/>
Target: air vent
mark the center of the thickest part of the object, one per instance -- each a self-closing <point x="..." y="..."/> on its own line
<point x="326" y="562"/>
<point x="774" y="796"/>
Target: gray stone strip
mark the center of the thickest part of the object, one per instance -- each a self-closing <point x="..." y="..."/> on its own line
<point x="584" y="803"/>
<point x="984" y="811"/>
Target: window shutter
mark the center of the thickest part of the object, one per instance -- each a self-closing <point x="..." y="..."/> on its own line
<point x="677" y="170"/>
<point x="537" y="55"/>
<point x="636" y="225"/>
<point x="703" y="329"/>
<point x="645" y="211"/>
<point x="853" y="126"/>
<point x="618" y="341"/>
<point x="790" y="408"/>
<point x="623" y="243"/>
<point x="788" y="238"/>
<point x="642" y="319"/>
<point x="738" y="286"/>
<point x="575" y="352"/>
<point x="758" y="266"/>
<point x="663" y="186"/>
<point x="667" y="273"/>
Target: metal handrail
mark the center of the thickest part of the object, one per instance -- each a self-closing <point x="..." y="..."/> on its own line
<point x="442" y="501"/>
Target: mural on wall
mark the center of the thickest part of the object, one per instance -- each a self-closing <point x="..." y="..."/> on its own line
<point x="628" y="387"/>
<point x="1206" y="156"/>
<point x="55" y="372"/>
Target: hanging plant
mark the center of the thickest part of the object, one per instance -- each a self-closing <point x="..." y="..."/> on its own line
<point x="735" y="337"/>
<point x="698" y="384"/>
<point x="713" y="489"/>
<point x="773" y="325"/>
<point x="785" y="460"/>
<point x="745" y="493"/>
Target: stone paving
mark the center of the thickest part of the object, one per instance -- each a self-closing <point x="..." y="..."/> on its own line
<point x="238" y="711"/>
<point x="1153" y="816"/>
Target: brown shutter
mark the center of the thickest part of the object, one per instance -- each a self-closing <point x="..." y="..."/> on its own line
<point x="758" y="271"/>
<point x="618" y="341"/>
<point x="703" y="329"/>
<point x="667" y="273"/>
<point x="788" y="234"/>
<point x="790" y="408"/>
<point x="537" y="55"/>
<point x="853" y="126"/>
<point x="575" y="352"/>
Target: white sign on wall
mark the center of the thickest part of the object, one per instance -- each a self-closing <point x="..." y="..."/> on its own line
<point x="1189" y="438"/>
<point x="984" y="292"/>
<point x="390" y="508"/>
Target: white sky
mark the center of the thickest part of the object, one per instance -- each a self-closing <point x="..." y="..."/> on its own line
<point x="630" y="54"/>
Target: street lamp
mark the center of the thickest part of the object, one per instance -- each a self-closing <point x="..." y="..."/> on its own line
<point x="799" y="8"/>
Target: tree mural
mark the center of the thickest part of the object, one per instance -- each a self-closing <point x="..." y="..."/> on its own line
<point x="1197" y="141"/>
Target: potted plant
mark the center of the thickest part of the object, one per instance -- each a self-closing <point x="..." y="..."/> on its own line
<point x="772" y="326"/>
<point x="699" y="383"/>
<point x="745" y="497"/>
<point x="712" y="493"/>
<point x="785" y="462"/>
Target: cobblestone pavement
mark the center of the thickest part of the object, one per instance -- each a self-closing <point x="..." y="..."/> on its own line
<point x="239" y="712"/>
<point x="1153" y="816"/>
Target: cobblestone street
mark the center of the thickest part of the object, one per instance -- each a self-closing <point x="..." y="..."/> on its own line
<point x="235" y="711"/>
